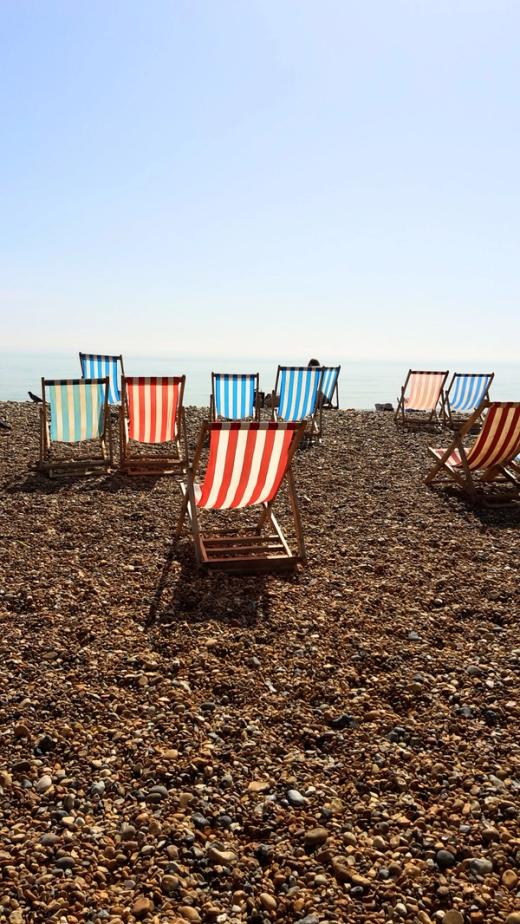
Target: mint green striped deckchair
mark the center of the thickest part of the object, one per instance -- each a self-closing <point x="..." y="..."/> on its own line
<point x="79" y="413"/>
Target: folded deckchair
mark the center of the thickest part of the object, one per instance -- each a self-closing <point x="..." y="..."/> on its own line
<point x="247" y="464"/>
<point x="488" y="459"/>
<point x="78" y="412"/>
<point x="422" y="391"/>
<point x="329" y="387"/>
<point x="295" y="395"/>
<point x="152" y="414"/>
<point x="233" y="396"/>
<point x="466" y="392"/>
<point x="94" y="366"/>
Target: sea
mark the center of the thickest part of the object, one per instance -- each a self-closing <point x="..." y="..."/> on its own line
<point x="362" y="383"/>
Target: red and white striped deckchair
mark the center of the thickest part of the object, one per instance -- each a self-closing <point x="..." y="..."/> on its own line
<point x="490" y="456"/>
<point x="152" y="414"/>
<point x="247" y="464"/>
<point x="425" y="391"/>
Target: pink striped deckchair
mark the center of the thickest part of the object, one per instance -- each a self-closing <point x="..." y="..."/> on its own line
<point x="489" y="457"/>
<point x="248" y="462"/>
<point x="425" y="391"/>
<point x="152" y="414"/>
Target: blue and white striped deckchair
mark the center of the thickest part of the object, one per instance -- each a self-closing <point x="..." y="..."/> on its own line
<point x="466" y="392"/>
<point x="78" y="412"/>
<point x="234" y="396"/>
<point x="329" y="386"/>
<point x="298" y="388"/>
<point x="95" y="366"/>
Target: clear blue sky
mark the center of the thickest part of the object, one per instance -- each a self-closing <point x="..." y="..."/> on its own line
<point x="261" y="176"/>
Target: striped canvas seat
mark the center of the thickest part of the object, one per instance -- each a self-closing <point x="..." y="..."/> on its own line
<point x="298" y="388"/>
<point x="329" y="384"/>
<point x="97" y="366"/>
<point x="493" y="449"/>
<point x="247" y="463"/>
<point x="78" y="413"/>
<point x="233" y="395"/>
<point x="77" y="409"/>
<point x="425" y="391"/>
<point x="422" y="391"/>
<point x="467" y="390"/>
<point x="155" y="415"/>
<point x="152" y="407"/>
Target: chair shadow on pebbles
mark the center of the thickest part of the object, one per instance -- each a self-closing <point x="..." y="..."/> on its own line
<point x="186" y="593"/>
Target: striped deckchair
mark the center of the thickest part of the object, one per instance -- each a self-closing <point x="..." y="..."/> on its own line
<point x="152" y="413"/>
<point x="94" y="366"/>
<point x="234" y="396"/>
<point x="329" y="387"/>
<point x="489" y="457"/>
<point x="466" y="391"/>
<point x="425" y="391"/>
<point x="78" y="412"/>
<point x="295" y="396"/>
<point x="248" y="462"/>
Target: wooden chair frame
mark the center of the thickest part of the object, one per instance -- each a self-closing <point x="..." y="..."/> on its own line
<point x="256" y="407"/>
<point x="135" y="462"/>
<point x="313" y="421"/>
<point x="108" y="356"/>
<point x="463" y="476"/>
<point x="244" y="552"/>
<point x="448" y="414"/>
<point x="400" y="412"/>
<point x="85" y="466"/>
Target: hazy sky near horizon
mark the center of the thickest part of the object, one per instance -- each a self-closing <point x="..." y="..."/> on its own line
<point x="269" y="177"/>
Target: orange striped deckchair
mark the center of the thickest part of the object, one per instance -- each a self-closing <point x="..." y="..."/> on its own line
<point x="248" y="462"/>
<point x="489" y="457"/>
<point x="74" y="412"/>
<point x="152" y="413"/>
<point x="425" y="391"/>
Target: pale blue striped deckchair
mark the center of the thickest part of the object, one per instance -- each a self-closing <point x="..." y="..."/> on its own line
<point x="329" y="386"/>
<point x="95" y="366"/>
<point x="234" y="396"/>
<point x="78" y="412"/>
<point x="295" y="395"/>
<point x="466" y="391"/>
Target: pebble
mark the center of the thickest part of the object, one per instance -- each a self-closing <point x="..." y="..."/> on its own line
<point x="453" y="917"/>
<point x="295" y="797"/>
<point x="142" y="907"/>
<point x="510" y="878"/>
<point x="315" y="837"/>
<point x="169" y="883"/>
<point x="65" y="862"/>
<point x="268" y="901"/>
<point x="224" y="857"/>
<point x="22" y="731"/>
<point x="513" y="918"/>
<point x="445" y="859"/>
<point x="44" y="783"/>
<point x="190" y="914"/>
<point x="480" y="867"/>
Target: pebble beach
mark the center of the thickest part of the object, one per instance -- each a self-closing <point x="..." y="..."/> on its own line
<point x="340" y="745"/>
